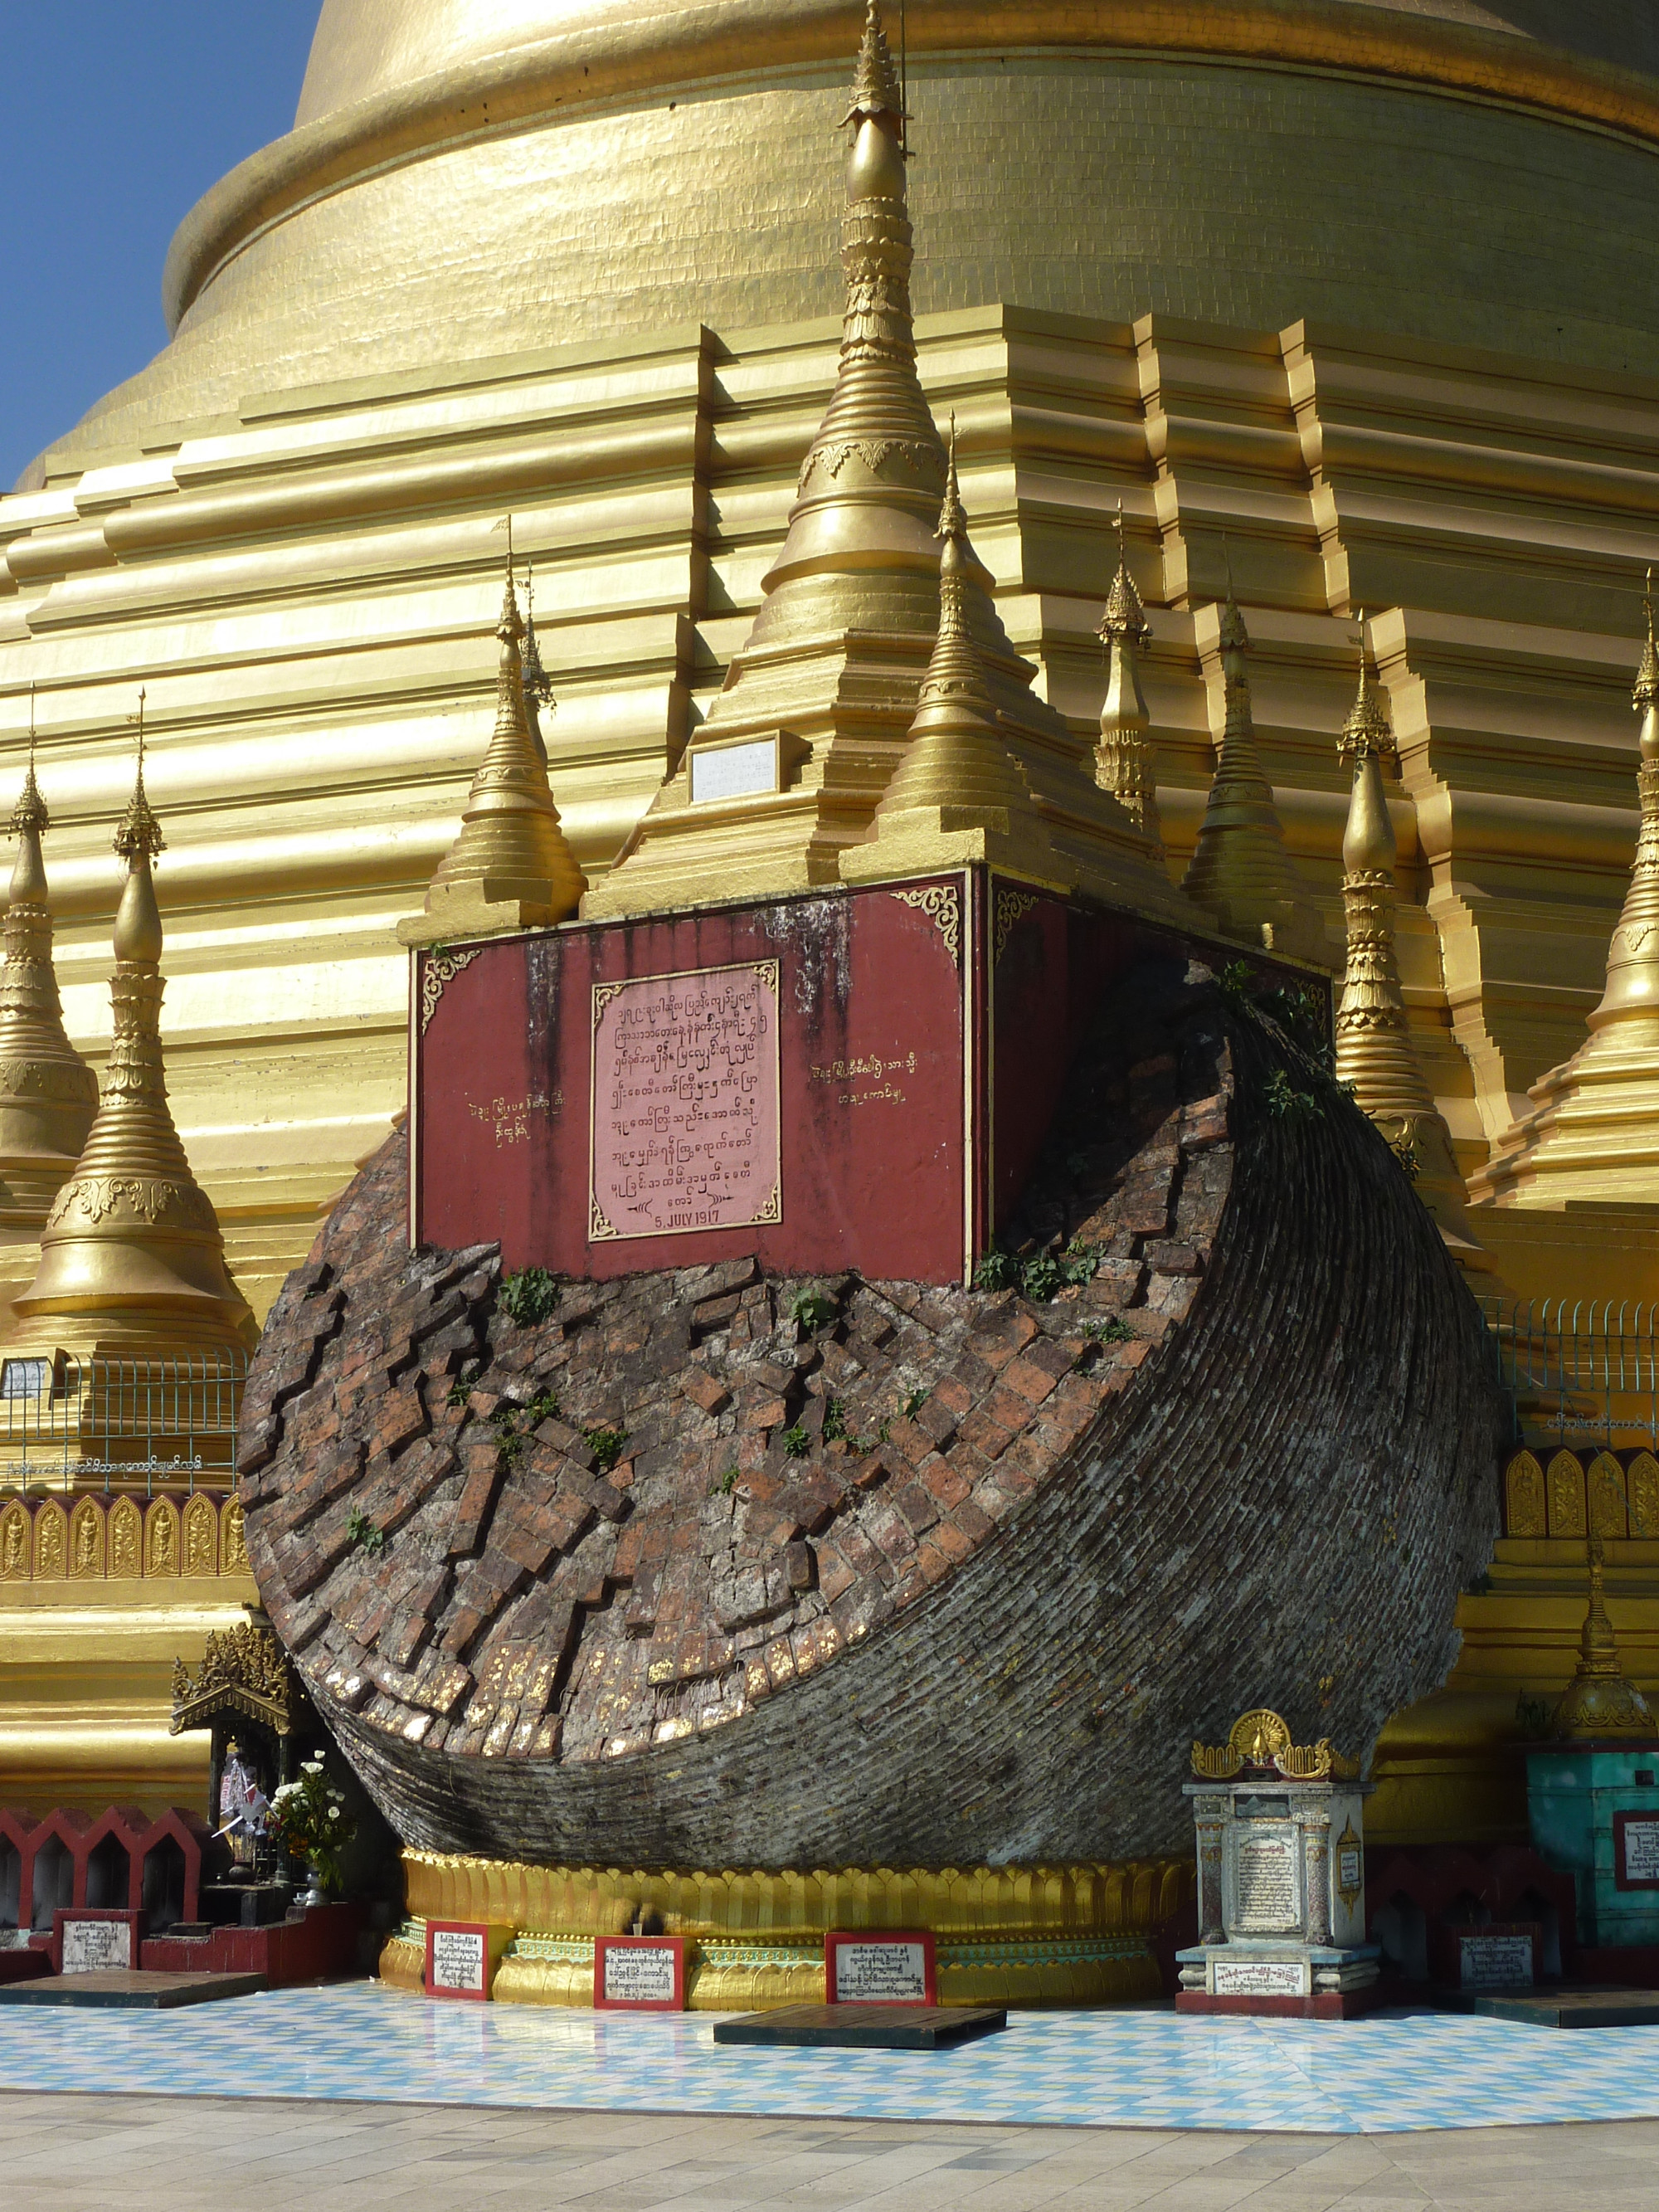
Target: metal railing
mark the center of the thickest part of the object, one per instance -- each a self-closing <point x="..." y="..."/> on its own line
<point x="70" y="1423"/>
<point x="1585" y="1368"/>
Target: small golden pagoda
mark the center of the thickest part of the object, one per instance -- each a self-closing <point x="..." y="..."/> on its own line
<point x="1375" y="1056"/>
<point x="131" y="1260"/>
<point x="1240" y="872"/>
<point x="958" y="794"/>
<point x="816" y="712"/>
<point x="48" y="1095"/>
<point x="1600" y="1700"/>
<point x="510" y="868"/>
<point x="1126" y="761"/>
<point x="1593" y="1132"/>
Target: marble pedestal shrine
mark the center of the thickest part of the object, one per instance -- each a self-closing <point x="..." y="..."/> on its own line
<point x="1281" y="1876"/>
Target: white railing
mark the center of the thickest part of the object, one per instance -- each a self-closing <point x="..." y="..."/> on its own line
<point x="113" y="1423"/>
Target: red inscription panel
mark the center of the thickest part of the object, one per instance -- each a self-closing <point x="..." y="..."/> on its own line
<point x="579" y="1092"/>
<point x="684" y="1117"/>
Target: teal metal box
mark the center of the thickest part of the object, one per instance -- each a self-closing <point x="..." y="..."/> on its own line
<point x="1593" y="1809"/>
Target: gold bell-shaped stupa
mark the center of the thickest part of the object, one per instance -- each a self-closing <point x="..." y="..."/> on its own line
<point x="510" y="868"/>
<point x="48" y="1095"/>
<point x="131" y="1259"/>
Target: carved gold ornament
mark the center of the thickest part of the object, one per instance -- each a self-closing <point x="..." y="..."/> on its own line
<point x="942" y="905"/>
<point x="245" y="1670"/>
<point x="1260" y="1739"/>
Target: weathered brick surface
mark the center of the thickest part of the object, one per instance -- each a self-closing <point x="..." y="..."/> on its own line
<point x="956" y="1577"/>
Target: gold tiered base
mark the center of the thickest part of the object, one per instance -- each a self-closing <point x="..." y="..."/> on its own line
<point x="1023" y="1935"/>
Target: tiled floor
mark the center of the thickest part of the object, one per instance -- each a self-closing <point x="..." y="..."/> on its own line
<point x="1141" y="2069"/>
<point x="159" y="2153"/>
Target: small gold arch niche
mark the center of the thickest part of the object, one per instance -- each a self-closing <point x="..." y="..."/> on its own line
<point x="1642" y="1479"/>
<point x="126" y="1541"/>
<point x="161" y="1539"/>
<point x="1605" y="1480"/>
<point x="1523" y="1497"/>
<point x="1565" y="1483"/>
<point x="86" y="1540"/>
<point x="201" y="1536"/>
<point x="14" y="1542"/>
<point x="50" y="1542"/>
<point x="233" y="1538"/>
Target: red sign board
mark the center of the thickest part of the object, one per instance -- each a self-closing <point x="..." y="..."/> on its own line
<point x="880" y="1967"/>
<point x="639" y="1973"/>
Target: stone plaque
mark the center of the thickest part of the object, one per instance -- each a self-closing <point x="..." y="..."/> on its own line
<point x="1350" y="1870"/>
<point x="1260" y="1977"/>
<point x="1494" y="1962"/>
<point x="640" y="1973"/>
<point x="94" y="1946"/>
<point x="880" y="1969"/>
<point x="1638" y="1837"/>
<point x="734" y="771"/>
<point x="685" y="1122"/>
<point x="1264" y="1883"/>
<point x="460" y="1960"/>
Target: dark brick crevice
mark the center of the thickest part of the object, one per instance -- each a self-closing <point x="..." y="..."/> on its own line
<point x="1016" y="1568"/>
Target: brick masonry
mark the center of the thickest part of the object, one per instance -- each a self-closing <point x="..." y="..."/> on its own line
<point x="946" y="1576"/>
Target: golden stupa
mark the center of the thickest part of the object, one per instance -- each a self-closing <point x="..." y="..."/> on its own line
<point x="48" y="1095"/>
<point x="1125" y="760"/>
<point x="1375" y="1056"/>
<point x="1592" y="1134"/>
<point x="957" y="793"/>
<point x="510" y="868"/>
<point x="131" y="1260"/>
<point x="1157" y="269"/>
<point x="1600" y="1700"/>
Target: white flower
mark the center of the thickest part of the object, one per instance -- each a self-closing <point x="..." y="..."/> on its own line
<point x="311" y="1767"/>
<point x="285" y="1790"/>
<point x="333" y="1812"/>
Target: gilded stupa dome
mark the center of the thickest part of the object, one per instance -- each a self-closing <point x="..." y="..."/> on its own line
<point x="471" y="178"/>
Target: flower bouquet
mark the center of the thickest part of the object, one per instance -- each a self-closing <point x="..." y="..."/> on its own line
<point x="308" y="1821"/>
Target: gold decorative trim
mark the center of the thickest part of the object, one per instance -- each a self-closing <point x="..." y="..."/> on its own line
<point x="244" y="1670"/>
<point x="942" y="904"/>
<point x="1011" y="908"/>
<point x="437" y="970"/>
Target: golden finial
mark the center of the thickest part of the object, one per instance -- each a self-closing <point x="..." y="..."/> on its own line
<point x="876" y="86"/>
<point x="1647" y="675"/>
<point x="1368" y="729"/>
<point x="537" y="690"/>
<point x="1125" y="617"/>
<point x="1232" y="636"/>
<point x="1600" y="1700"/>
<point x="1125" y="763"/>
<point x="139" y="833"/>
<point x="30" y="815"/>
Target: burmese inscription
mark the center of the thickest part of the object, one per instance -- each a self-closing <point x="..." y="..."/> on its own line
<point x="1265" y="1878"/>
<point x="685" y="1123"/>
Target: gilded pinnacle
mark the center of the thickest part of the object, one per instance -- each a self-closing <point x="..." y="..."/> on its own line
<point x="876" y="90"/>
<point x="1125" y="618"/>
<point x="139" y="830"/>
<point x="1367" y="731"/>
<point x="30" y="815"/>
<point x="1646" y="693"/>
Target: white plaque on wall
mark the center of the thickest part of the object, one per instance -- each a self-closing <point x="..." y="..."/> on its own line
<point x="1495" y="1962"/>
<point x="1259" y="1977"/>
<point x="459" y="1958"/>
<point x="94" y="1946"/>
<point x="734" y="771"/>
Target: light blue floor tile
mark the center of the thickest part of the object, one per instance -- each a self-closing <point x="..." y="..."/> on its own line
<point x="1123" y="2069"/>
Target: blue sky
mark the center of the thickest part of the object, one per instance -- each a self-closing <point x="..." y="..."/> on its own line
<point x="115" y="117"/>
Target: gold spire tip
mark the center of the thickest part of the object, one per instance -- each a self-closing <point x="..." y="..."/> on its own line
<point x="1647" y="674"/>
<point x="139" y="834"/>
<point x="876" y="89"/>
<point x="1125" y="618"/>
<point x="30" y="812"/>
